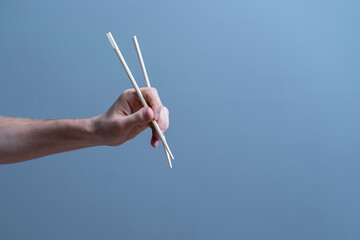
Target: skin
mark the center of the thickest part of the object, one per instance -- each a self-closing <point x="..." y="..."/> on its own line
<point x="25" y="139"/>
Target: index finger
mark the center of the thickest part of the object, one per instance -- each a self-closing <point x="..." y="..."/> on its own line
<point x="152" y="98"/>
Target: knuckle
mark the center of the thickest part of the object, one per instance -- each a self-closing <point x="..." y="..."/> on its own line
<point x="154" y="90"/>
<point x="128" y="91"/>
<point x="125" y="93"/>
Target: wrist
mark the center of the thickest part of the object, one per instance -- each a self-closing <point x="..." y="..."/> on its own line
<point x="77" y="133"/>
<point x="91" y="127"/>
<point x="106" y="131"/>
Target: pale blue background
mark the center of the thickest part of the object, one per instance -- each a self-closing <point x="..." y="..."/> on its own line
<point x="264" y="99"/>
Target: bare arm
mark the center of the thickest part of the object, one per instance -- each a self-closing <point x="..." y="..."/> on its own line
<point x="24" y="139"/>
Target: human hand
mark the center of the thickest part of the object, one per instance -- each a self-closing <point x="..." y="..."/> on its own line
<point x="127" y="117"/>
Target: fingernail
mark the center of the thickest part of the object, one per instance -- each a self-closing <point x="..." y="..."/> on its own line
<point x="163" y="132"/>
<point x="157" y="116"/>
<point x="156" y="143"/>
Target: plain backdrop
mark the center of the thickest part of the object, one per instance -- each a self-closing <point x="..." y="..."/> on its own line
<point x="264" y="101"/>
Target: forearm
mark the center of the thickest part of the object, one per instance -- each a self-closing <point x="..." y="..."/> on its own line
<point x="24" y="139"/>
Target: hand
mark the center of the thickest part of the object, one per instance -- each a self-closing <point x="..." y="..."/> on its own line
<point x="127" y="117"/>
<point x="24" y="139"/>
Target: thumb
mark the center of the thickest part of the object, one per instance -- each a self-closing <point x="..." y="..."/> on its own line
<point x="143" y="116"/>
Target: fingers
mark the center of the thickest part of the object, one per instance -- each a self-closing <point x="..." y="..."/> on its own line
<point x="152" y="97"/>
<point x="163" y="120"/>
<point x="141" y="117"/>
<point x="131" y="102"/>
<point x="163" y="123"/>
<point x="158" y="113"/>
<point x="137" y="130"/>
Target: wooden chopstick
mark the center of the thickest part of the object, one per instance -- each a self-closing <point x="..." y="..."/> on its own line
<point x="147" y="82"/>
<point x="136" y="87"/>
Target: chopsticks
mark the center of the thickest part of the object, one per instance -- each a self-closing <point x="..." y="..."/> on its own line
<point x="132" y="80"/>
<point x="147" y="82"/>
